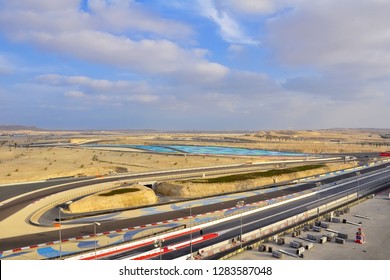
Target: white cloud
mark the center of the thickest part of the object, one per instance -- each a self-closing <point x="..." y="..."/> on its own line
<point x="39" y="5"/>
<point x="18" y="18"/>
<point x="82" y="81"/>
<point x="332" y="56"/>
<point x="75" y="94"/>
<point x="123" y="15"/>
<point x="111" y="16"/>
<point x="333" y="33"/>
<point x="5" y="65"/>
<point x="147" y="56"/>
<point x="235" y="48"/>
<point x="87" y="36"/>
<point x="101" y="90"/>
<point x="344" y="46"/>
<point x="255" y="7"/>
<point x="230" y="30"/>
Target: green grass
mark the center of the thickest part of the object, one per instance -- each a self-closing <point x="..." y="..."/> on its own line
<point x="119" y="191"/>
<point x="256" y="175"/>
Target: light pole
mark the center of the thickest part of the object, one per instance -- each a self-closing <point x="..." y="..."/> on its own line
<point x="158" y="243"/>
<point x="190" y="207"/>
<point x="240" y="204"/>
<point x="94" y="234"/>
<point x="60" y="234"/>
<point x="357" y="178"/>
<point x="318" y="184"/>
<point x="260" y="235"/>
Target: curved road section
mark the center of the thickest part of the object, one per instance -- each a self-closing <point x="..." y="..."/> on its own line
<point x="17" y="196"/>
<point x="265" y="217"/>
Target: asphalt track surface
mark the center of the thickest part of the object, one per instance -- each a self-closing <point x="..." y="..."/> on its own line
<point x="267" y="217"/>
<point x="232" y="228"/>
<point x="38" y="190"/>
<point x="44" y="237"/>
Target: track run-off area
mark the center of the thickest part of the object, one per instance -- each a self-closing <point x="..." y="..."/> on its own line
<point x="166" y="230"/>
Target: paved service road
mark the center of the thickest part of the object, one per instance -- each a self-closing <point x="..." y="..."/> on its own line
<point x="30" y="239"/>
<point x="270" y="216"/>
<point x="30" y="192"/>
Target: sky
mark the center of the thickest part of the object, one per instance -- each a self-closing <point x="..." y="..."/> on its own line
<point x="195" y="65"/>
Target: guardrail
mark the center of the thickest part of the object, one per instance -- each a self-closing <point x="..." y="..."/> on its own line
<point x="259" y="204"/>
<point x="254" y="238"/>
<point x="34" y="219"/>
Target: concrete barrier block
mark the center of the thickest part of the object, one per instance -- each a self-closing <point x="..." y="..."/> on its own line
<point x="277" y="254"/>
<point x="308" y="246"/>
<point x="336" y="220"/>
<point x="330" y="236"/>
<point x="339" y="240"/>
<point x="323" y="239"/>
<point x="300" y="250"/>
<point x="324" y="225"/>
<point x="261" y="248"/>
<point x="342" y="235"/>
<point x="312" y="237"/>
<point x="280" y="241"/>
<point x="317" y="229"/>
<point x="295" y="244"/>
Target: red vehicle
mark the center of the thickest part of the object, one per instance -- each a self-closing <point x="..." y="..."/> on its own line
<point x="384" y="154"/>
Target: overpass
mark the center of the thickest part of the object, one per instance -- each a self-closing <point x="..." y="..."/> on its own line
<point x="277" y="215"/>
<point x="265" y="198"/>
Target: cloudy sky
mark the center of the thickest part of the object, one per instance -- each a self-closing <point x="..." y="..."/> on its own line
<point x="195" y="65"/>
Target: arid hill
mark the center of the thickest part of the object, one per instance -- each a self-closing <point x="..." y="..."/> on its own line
<point x="124" y="197"/>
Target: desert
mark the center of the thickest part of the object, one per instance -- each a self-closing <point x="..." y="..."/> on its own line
<point x="20" y="163"/>
<point x="46" y="155"/>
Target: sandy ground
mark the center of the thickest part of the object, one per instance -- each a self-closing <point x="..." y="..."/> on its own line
<point x="198" y="189"/>
<point x="29" y="164"/>
<point x="376" y="229"/>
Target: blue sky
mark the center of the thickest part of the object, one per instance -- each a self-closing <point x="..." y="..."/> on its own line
<point x="195" y="65"/>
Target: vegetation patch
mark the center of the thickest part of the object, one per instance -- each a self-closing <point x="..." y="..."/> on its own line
<point x="134" y="196"/>
<point x="257" y="175"/>
<point x="120" y="169"/>
<point x="119" y="191"/>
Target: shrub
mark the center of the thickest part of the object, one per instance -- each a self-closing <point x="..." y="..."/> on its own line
<point x="119" y="191"/>
<point x="255" y="175"/>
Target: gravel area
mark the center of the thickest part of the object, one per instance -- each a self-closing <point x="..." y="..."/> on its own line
<point x="371" y="215"/>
